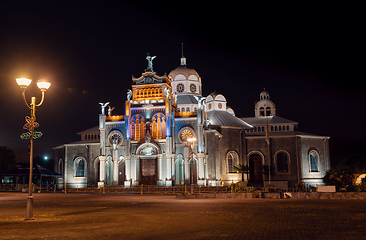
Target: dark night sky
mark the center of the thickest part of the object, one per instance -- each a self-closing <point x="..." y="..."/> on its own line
<point x="306" y="56"/>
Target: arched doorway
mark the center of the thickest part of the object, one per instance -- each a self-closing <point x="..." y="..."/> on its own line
<point x="108" y="171"/>
<point x="179" y="170"/>
<point x="193" y="170"/>
<point x="255" y="168"/>
<point x="148" y="163"/>
<point x="96" y="171"/>
<point x="121" y="173"/>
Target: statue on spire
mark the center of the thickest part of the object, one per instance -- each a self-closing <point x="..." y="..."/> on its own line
<point x="149" y="62"/>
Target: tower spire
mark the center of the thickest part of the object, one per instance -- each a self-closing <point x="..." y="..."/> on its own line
<point x="183" y="60"/>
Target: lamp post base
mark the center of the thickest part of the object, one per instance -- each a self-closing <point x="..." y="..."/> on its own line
<point x="29" y="215"/>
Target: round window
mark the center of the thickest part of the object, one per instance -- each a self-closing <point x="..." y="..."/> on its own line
<point x="180" y="87"/>
<point x="220" y="105"/>
<point x="193" y="88"/>
<point x="209" y="106"/>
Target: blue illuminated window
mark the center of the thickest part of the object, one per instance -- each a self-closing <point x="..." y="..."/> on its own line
<point x="79" y="166"/>
<point x="314" y="160"/>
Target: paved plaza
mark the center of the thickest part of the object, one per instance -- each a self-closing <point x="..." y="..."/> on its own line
<point x="119" y="216"/>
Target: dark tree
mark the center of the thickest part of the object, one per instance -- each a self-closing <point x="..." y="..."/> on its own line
<point x="8" y="159"/>
<point x="242" y="169"/>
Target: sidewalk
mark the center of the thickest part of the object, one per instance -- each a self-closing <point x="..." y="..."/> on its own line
<point x="117" y="216"/>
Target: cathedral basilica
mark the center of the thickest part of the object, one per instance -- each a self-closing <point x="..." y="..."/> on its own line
<point x="172" y="135"/>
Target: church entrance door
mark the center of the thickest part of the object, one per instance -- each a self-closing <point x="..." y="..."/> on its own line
<point x="255" y="168"/>
<point x="121" y="174"/>
<point x="193" y="171"/>
<point x="148" y="171"/>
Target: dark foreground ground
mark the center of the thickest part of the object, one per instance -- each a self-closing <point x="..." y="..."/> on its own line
<point x="117" y="216"/>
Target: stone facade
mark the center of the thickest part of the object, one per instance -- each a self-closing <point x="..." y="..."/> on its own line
<point x="171" y="135"/>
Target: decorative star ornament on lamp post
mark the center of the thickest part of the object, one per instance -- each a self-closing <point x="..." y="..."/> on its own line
<point x="30" y="126"/>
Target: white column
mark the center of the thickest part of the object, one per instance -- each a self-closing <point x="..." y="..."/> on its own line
<point x="128" y="171"/>
<point x="187" y="170"/>
<point x="160" y="170"/>
<point x="101" y="168"/>
<point x="115" y="166"/>
<point x="135" y="171"/>
<point x="172" y="161"/>
<point x="201" y="170"/>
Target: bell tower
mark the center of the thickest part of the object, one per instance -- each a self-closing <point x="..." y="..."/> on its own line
<point x="265" y="107"/>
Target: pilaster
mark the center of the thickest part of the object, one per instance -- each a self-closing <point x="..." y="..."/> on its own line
<point x="102" y="168"/>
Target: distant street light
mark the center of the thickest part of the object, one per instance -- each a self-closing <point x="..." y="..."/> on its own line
<point x="32" y="134"/>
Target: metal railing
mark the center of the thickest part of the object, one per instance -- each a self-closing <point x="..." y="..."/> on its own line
<point x="142" y="189"/>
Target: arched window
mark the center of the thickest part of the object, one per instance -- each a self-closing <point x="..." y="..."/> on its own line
<point x="282" y="162"/>
<point x="268" y="111"/>
<point x="232" y="160"/>
<point x="61" y="166"/>
<point x="79" y="167"/>
<point x="313" y="161"/>
<point x="261" y="112"/>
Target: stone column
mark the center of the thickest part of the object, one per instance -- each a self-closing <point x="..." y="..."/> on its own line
<point x="115" y="167"/>
<point x="201" y="170"/>
<point x="128" y="171"/>
<point x="187" y="170"/>
<point x="101" y="170"/>
<point x="160" y="170"/>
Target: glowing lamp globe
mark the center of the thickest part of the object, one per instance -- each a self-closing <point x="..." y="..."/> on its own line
<point x="23" y="82"/>
<point x="43" y="85"/>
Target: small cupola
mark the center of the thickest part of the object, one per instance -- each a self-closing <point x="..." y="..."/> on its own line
<point x="265" y="107"/>
<point x="216" y="102"/>
<point x="264" y="95"/>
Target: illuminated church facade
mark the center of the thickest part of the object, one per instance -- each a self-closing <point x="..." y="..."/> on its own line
<point x="171" y="135"/>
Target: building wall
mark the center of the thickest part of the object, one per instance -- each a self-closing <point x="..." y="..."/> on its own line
<point x="213" y="157"/>
<point x="321" y="146"/>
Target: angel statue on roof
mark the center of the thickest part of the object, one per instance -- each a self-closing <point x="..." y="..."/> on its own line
<point x="149" y="62"/>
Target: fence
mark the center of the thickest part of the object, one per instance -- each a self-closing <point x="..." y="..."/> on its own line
<point x="142" y="189"/>
<point x="152" y="189"/>
<point x="9" y="187"/>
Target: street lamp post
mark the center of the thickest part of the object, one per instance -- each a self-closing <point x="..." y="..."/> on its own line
<point x="191" y="141"/>
<point x="32" y="134"/>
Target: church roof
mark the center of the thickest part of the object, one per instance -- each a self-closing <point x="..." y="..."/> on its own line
<point x="90" y="130"/>
<point x="223" y="118"/>
<point x="149" y="77"/>
<point x="184" y="70"/>
<point x="271" y="120"/>
<point x="186" y="99"/>
<point x="283" y="134"/>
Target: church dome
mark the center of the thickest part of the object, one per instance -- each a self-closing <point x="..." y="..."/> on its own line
<point x="264" y="95"/>
<point x="184" y="73"/>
